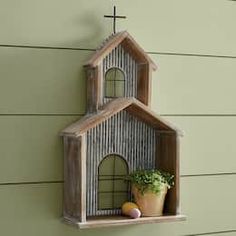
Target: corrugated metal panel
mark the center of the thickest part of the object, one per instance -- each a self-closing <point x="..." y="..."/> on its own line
<point x="122" y="134"/>
<point x="121" y="59"/>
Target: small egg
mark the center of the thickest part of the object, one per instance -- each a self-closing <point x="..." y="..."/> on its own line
<point x="127" y="206"/>
<point x="135" y="213"/>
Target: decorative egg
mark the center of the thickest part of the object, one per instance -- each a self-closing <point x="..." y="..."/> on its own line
<point x="131" y="209"/>
<point x="135" y="213"/>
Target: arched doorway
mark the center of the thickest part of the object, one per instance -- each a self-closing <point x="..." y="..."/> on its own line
<point x="113" y="190"/>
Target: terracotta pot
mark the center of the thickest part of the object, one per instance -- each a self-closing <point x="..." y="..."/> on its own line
<point x="150" y="204"/>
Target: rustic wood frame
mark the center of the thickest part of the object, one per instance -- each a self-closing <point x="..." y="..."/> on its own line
<point x="166" y="146"/>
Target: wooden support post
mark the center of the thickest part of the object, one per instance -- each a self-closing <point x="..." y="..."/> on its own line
<point x="144" y="83"/>
<point x="71" y="179"/>
<point x="167" y="159"/>
<point x="75" y="178"/>
<point x="94" y="89"/>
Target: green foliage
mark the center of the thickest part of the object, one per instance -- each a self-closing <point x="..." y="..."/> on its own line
<point x="151" y="180"/>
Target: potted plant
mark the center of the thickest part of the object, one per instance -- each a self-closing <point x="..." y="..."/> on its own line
<point x="149" y="188"/>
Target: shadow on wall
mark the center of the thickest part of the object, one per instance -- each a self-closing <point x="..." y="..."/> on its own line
<point x="93" y="31"/>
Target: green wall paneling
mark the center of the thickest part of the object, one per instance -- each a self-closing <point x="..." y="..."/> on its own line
<point x="43" y="81"/>
<point x="31" y="149"/>
<point x="194" y="85"/>
<point x="36" y="210"/>
<point x="208" y="144"/>
<point x="186" y="26"/>
<point x="43" y="89"/>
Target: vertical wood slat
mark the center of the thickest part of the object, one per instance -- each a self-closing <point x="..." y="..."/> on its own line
<point x="145" y="149"/>
<point x="148" y="138"/>
<point x="128" y="79"/>
<point x="149" y="85"/>
<point x="75" y="178"/>
<point x="94" y="88"/>
<point x="93" y="172"/>
<point x="89" y="153"/>
<point x="90" y="171"/>
<point x="67" y="193"/>
<point x="131" y="135"/>
<point x="135" y="140"/>
<point x="144" y="83"/>
<point x="82" y="155"/>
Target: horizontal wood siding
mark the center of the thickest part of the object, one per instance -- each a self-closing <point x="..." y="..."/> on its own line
<point x="40" y="206"/>
<point x="43" y="45"/>
<point x="37" y="153"/>
<point x="44" y="152"/>
<point x="81" y="25"/>
<point x="49" y="73"/>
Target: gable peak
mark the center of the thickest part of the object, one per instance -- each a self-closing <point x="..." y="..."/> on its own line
<point x="127" y="42"/>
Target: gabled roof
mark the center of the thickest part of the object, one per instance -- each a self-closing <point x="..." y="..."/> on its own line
<point x="131" y="105"/>
<point x="128" y="42"/>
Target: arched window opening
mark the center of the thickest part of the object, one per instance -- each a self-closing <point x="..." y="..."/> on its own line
<point x="113" y="190"/>
<point x="114" y="83"/>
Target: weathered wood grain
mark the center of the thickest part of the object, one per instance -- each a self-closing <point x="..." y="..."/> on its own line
<point x="131" y="105"/>
<point x="72" y="178"/>
<point x="91" y="120"/>
<point x="144" y="80"/>
<point x="167" y="159"/>
<point x="82" y="156"/>
<point x="75" y="178"/>
<point x="111" y="42"/>
<point x="94" y="88"/>
<point x="122" y="221"/>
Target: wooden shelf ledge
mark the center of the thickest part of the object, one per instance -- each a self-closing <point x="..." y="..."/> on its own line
<point x="110" y="221"/>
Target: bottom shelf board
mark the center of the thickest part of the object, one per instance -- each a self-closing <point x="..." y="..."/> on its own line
<point x="109" y="221"/>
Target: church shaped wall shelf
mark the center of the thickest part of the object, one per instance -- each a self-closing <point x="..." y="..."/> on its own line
<point x="119" y="127"/>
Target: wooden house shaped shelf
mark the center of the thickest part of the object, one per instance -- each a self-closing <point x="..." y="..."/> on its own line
<point x="118" y="135"/>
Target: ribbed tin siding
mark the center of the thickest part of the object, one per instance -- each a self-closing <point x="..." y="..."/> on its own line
<point x="121" y="59"/>
<point x="124" y="135"/>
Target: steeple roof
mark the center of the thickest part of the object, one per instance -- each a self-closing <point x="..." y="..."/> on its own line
<point x="128" y="42"/>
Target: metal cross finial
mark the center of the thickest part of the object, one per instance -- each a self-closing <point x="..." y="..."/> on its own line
<point x="114" y="16"/>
